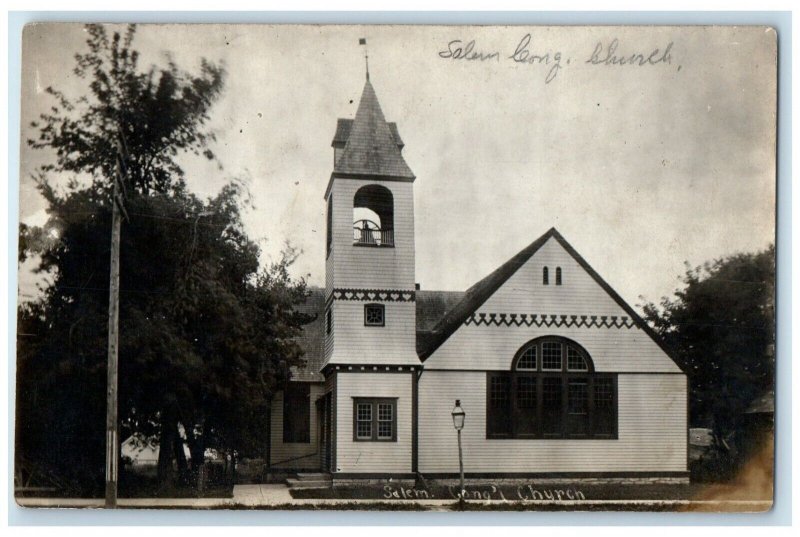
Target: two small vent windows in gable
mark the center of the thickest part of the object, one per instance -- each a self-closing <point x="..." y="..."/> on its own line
<point x="546" y="276"/>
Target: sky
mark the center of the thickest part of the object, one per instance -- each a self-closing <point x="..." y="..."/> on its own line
<point x="640" y="167"/>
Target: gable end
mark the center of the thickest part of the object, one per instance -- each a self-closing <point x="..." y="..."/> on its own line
<point x="479" y="293"/>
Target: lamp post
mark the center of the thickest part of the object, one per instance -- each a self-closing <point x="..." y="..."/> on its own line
<point x="458" y="422"/>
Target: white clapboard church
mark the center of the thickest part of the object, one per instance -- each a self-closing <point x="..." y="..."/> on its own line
<point x="558" y="376"/>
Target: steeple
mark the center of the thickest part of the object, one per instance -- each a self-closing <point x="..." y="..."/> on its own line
<point x="371" y="148"/>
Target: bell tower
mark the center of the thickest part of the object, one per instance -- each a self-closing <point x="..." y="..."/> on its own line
<point x="370" y="290"/>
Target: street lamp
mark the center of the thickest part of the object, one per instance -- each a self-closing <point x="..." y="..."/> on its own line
<point x="458" y="422"/>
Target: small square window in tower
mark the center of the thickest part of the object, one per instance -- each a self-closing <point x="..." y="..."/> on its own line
<point x="374" y="315"/>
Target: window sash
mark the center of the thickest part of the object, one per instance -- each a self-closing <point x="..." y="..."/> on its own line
<point x="575" y="360"/>
<point x="528" y="361"/>
<point x="552" y="355"/>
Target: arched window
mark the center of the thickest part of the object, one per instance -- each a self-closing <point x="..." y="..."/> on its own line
<point x="551" y="391"/>
<point x="373" y="216"/>
<point x="558" y="275"/>
<point x="545" y="276"/>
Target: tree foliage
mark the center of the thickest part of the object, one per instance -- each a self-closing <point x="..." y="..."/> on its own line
<point x="721" y="326"/>
<point x="206" y="334"/>
<point x="161" y="112"/>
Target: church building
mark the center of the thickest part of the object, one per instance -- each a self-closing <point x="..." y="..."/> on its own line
<point x="559" y="377"/>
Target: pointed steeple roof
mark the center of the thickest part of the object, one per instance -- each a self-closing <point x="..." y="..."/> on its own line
<point x="371" y="148"/>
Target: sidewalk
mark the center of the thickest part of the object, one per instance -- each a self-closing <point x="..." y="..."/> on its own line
<point x="277" y="496"/>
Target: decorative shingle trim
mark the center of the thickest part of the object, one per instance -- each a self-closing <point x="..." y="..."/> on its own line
<point x="558" y="321"/>
<point x="369" y="295"/>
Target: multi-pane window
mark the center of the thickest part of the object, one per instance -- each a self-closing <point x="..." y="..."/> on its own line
<point x="528" y="358"/>
<point x="551" y="355"/>
<point x="552" y="402"/>
<point x="498" y="417"/>
<point x="604" y="407"/>
<point x="375" y="419"/>
<point x="364" y="421"/>
<point x="525" y="419"/>
<point x="526" y="393"/>
<point x="374" y="315"/>
<point x="385" y="421"/>
<point x="575" y="360"/>
<point x="558" y="396"/>
<point x="578" y="397"/>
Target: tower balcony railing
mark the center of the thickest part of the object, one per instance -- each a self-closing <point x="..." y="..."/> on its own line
<point x="367" y="233"/>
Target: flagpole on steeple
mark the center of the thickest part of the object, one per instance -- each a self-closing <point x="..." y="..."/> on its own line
<point x="363" y="41"/>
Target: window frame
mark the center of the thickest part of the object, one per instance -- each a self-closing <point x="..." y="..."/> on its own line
<point x="375" y="403"/>
<point x="381" y="307"/>
<point x="601" y="423"/>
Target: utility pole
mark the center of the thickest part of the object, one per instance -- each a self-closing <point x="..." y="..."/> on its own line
<point x="112" y="428"/>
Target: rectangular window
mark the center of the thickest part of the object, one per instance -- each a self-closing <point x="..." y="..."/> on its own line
<point x="329" y="320"/>
<point x="605" y="410"/>
<point x="364" y="421"/>
<point x="385" y="421"/>
<point x="577" y="420"/>
<point x="525" y="419"/>
<point x="552" y="405"/>
<point x="551" y="356"/>
<point x="297" y="413"/>
<point x="498" y="418"/>
<point x="374" y="315"/>
<point x="375" y="420"/>
<point x="578" y="398"/>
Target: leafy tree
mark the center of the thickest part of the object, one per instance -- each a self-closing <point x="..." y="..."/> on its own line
<point x="206" y="334"/>
<point x="721" y="326"/>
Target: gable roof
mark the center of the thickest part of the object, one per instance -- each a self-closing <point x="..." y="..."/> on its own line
<point x="485" y="288"/>
<point x="372" y="148"/>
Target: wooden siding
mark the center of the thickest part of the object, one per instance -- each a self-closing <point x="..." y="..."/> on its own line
<point x="579" y="294"/>
<point x="372" y="267"/>
<point x="372" y="457"/>
<point x="393" y="343"/>
<point x="493" y="347"/>
<point x="305" y="456"/>
<point x="652" y="430"/>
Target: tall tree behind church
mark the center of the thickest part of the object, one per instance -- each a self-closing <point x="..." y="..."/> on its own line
<point x="721" y="326"/>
